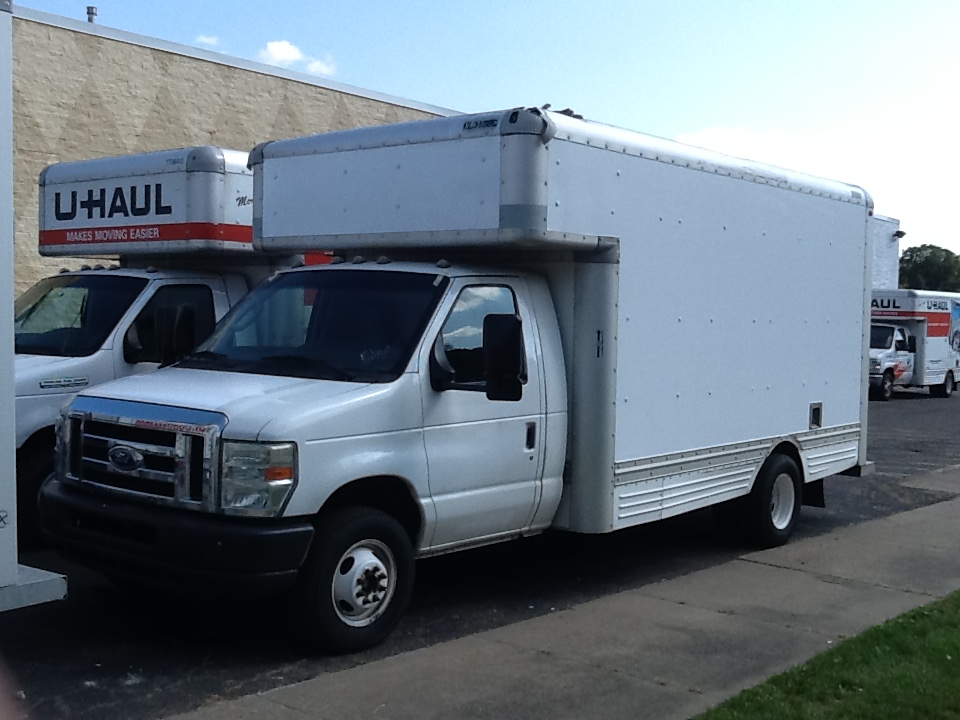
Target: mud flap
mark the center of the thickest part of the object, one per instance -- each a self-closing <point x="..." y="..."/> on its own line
<point x="813" y="494"/>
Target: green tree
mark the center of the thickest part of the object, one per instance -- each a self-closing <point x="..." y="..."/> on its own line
<point x="928" y="267"/>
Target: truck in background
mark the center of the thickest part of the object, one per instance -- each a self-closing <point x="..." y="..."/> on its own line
<point x="914" y="341"/>
<point x="885" y="235"/>
<point x="512" y="340"/>
<point x="181" y="223"/>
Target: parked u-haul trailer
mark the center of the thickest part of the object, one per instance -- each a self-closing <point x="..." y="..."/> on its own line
<point x="539" y="322"/>
<point x="181" y="222"/>
<point x="914" y="341"/>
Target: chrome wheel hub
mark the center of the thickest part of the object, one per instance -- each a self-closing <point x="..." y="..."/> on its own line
<point x="783" y="501"/>
<point x="364" y="583"/>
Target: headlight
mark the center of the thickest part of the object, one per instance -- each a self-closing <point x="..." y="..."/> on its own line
<point x="257" y="478"/>
<point x="874" y="365"/>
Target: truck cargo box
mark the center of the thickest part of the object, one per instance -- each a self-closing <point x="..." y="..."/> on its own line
<point x="187" y="200"/>
<point x="885" y="234"/>
<point x="500" y="179"/>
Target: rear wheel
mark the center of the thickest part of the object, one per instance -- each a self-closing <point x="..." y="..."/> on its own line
<point x="946" y="389"/>
<point x="773" y="506"/>
<point x="358" y="579"/>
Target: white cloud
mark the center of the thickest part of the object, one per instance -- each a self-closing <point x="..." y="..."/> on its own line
<point x="208" y="40"/>
<point x="285" y="54"/>
<point x="280" y="53"/>
<point x="322" y="67"/>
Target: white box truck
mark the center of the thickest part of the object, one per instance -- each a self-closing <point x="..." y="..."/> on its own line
<point x="914" y="341"/>
<point x="885" y="237"/>
<point x="536" y="322"/>
<point x="181" y="222"/>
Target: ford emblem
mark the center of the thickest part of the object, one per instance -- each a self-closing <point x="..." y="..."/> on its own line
<point x="125" y="459"/>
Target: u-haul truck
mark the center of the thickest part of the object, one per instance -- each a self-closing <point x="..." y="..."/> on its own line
<point x="914" y="341"/>
<point x="513" y="341"/>
<point x="180" y="221"/>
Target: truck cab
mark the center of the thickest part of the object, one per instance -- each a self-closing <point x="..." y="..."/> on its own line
<point x="79" y="329"/>
<point x="892" y="355"/>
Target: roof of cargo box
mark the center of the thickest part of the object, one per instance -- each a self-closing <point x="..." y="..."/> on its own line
<point x="201" y="158"/>
<point x="917" y="294"/>
<point x="550" y="124"/>
<point x="521" y="179"/>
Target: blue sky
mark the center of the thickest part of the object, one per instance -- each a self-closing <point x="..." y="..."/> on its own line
<point x="854" y="90"/>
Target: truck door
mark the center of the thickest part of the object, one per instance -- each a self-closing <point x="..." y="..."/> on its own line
<point x="174" y="320"/>
<point x="484" y="456"/>
<point x="904" y="368"/>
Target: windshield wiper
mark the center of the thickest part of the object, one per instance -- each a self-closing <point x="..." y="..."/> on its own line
<point x="206" y="358"/>
<point x="301" y="363"/>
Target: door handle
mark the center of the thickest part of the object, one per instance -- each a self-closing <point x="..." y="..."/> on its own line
<point x="531" y="435"/>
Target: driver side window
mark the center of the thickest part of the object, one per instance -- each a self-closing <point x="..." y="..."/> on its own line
<point x="901" y="341"/>
<point x="462" y="333"/>
<point x="176" y="316"/>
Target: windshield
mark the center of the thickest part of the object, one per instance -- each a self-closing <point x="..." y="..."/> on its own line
<point x="353" y="325"/>
<point x="881" y="337"/>
<point x="72" y="315"/>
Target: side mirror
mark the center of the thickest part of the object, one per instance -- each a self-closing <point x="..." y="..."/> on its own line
<point x="503" y="357"/>
<point x="441" y="372"/>
<point x="132" y="347"/>
<point x="912" y="344"/>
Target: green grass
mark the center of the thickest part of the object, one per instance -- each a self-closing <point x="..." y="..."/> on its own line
<point x="906" y="668"/>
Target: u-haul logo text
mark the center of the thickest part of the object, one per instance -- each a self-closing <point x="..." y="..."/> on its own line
<point x="885" y="304"/>
<point x="133" y="201"/>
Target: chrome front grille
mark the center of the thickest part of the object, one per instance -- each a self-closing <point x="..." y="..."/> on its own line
<point x="160" y="454"/>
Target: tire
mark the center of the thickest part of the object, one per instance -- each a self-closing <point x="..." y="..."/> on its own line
<point x="32" y="471"/>
<point x="885" y="390"/>
<point x="946" y="389"/>
<point x="773" y="506"/>
<point x="356" y="549"/>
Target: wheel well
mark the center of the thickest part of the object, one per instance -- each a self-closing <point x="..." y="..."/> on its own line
<point x="388" y="494"/>
<point x="791" y="451"/>
<point x="785" y="449"/>
<point x="41" y="439"/>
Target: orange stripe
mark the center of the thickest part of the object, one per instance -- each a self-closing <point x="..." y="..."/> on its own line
<point x="938" y="323"/>
<point x="147" y="233"/>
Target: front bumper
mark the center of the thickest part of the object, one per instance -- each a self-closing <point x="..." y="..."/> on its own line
<point x="176" y="549"/>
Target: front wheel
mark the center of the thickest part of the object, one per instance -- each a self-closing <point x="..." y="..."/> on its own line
<point x="773" y="506"/>
<point x="885" y="391"/>
<point x="32" y="472"/>
<point x="358" y="579"/>
<point x="946" y="389"/>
